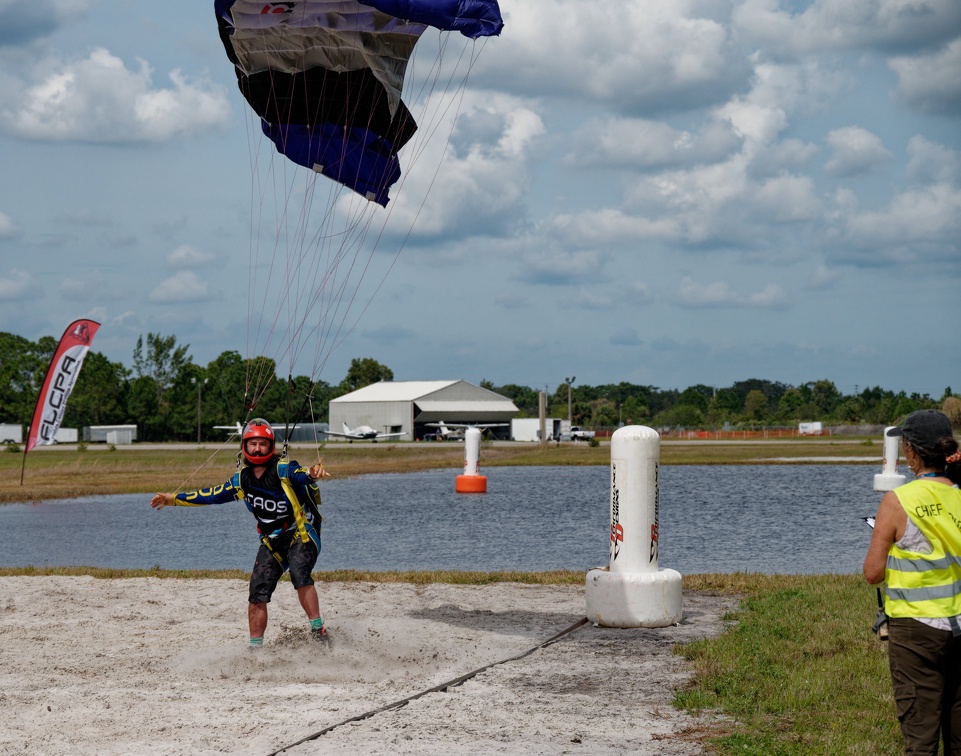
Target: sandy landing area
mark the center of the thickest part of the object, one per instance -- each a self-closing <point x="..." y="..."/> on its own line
<point x="150" y="666"/>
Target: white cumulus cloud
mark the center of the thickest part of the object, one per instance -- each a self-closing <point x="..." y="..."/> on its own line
<point x="918" y="219"/>
<point x="856" y="151"/>
<point x="84" y="289"/>
<point x="484" y="176"/>
<point x="933" y="163"/>
<point x="8" y="229"/>
<point x="931" y="83"/>
<point x="637" y="143"/>
<point x="98" y="99"/>
<point x="652" y="55"/>
<point x="844" y="24"/>
<point x="691" y="293"/>
<point x="188" y="256"/>
<point x="822" y="277"/>
<point x="182" y="286"/>
<point x="18" y="286"/>
<point x="626" y="336"/>
<point x="562" y="267"/>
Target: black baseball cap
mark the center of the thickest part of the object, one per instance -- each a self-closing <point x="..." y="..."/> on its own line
<point x="923" y="429"/>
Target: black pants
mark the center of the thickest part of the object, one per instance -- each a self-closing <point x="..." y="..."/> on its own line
<point x="301" y="558"/>
<point x="926" y="671"/>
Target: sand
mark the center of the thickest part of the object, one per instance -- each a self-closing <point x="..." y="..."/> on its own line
<point x="151" y="666"/>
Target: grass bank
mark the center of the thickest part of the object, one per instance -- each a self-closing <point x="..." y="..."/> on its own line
<point x="798" y="672"/>
<point x="54" y="473"/>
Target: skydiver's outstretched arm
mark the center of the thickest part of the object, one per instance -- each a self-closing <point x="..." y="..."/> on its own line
<point x="162" y="500"/>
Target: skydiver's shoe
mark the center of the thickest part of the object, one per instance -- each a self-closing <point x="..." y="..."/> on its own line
<point x="320" y="635"/>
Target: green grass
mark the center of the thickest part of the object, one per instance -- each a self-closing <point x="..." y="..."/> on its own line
<point x="799" y="671"/>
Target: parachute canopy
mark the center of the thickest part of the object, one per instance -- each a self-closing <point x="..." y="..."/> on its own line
<point x="326" y="76"/>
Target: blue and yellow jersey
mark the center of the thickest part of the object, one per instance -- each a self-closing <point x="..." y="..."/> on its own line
<point x="284" y="497"/>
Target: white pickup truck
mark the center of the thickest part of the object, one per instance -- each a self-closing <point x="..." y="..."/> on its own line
<point x="581" y="434"/>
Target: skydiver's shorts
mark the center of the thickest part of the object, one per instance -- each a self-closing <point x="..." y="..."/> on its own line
<point x="926" y="671"/>
<point x="301" y="558"/>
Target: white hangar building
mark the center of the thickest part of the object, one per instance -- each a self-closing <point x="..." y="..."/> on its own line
<point x="408" y="407"/>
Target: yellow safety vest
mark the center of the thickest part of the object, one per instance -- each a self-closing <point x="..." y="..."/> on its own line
<point x="927" y="585"/>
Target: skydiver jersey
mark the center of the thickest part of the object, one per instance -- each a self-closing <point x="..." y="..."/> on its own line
<point x="264" y="497"/>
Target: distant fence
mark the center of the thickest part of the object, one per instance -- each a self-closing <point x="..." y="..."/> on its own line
<point x="741" y="434"/>
<point x="761" y="433"/>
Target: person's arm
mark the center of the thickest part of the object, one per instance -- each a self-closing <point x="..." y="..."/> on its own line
<point x="314" y="472"/>
<point x="217" y="495"/>
<point x="889" y="527"/>
<point x="162" y="500"/>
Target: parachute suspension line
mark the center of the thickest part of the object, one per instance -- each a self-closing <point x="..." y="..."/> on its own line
<point x="313" y="422"/>
<point x="309" y="291"/>
<point x="341" y="332"/>
<point x="302" y="294"/>
<point x="434" y="125"/>
<point x="290" y="299"/>
<point x="223" y="445"/>
<point x="429" y="88"/>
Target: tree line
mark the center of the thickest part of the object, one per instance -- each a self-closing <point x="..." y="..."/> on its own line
<point x="161" y="393"/>
<point x="750" y="404"/>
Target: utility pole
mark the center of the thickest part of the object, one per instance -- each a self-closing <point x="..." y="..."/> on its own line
<point x="199" y="384"/>
<point x="569" y="381"/>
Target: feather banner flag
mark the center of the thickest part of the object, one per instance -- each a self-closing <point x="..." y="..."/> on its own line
<point x="61" y="377"/>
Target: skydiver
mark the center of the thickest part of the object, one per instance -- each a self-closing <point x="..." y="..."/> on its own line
<point x="283" y="498"/>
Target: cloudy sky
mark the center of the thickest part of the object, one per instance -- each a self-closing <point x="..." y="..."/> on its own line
<point x="664" y="193"/>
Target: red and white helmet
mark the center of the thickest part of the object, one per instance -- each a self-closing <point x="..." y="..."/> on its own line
<point x="258" y="428"/>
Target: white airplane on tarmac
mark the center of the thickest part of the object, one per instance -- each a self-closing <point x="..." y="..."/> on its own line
<point x="364" y="433"/>
<point x="238" y="429"/>
<point x="455" y="431"/>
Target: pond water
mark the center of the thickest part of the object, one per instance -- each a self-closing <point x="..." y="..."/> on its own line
<point x="764" y="518"/>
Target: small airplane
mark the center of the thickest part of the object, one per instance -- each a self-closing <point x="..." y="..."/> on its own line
<point x="364" y="433"/>
<point x="455" y="431"/>
<point x="237" y="429"/>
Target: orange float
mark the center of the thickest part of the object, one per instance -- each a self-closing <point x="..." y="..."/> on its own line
<point x="471" y="484"/>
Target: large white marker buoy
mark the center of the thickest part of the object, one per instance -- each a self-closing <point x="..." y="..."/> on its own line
<point x="471" y="481"/>
<point x="632" y="591"/>
<point x="889" y="478"/>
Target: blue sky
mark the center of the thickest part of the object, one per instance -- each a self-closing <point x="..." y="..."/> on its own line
<point x="665" y="193"/>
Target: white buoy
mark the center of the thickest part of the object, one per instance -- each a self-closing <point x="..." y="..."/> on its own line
<point x="471" y="481"/>
<point x="889" y="478"/>
<point x="633" y="591"/>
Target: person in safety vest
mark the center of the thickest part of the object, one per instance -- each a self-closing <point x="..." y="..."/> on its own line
<point x="283" y="498"/>
<point x="916" y="550"/>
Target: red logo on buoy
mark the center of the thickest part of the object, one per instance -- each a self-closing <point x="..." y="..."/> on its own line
<point x="617" y="530"/>
<point x="657" y="507"/>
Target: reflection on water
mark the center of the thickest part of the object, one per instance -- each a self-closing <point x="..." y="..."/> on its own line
<point x="771" y="519"/>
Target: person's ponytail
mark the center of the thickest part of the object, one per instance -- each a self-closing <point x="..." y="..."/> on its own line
<point x="948" y="446"/>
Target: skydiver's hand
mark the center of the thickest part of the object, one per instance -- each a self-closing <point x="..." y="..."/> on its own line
<point x="317" y="471"/>
<point x="162" y="500"/>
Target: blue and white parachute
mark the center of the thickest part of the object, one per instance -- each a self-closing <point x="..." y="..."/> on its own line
<point x="326" y="76"/>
